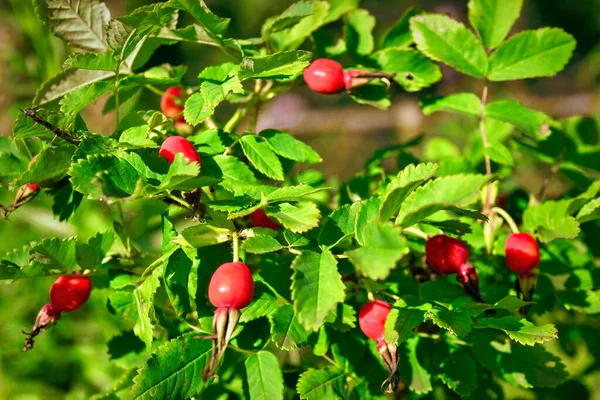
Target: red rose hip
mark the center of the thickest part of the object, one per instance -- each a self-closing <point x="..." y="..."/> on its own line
<point x="446" y="255"/>
<point x="372" y="318"/>
<point x="169" y="103"/>
<point x="522" y="252"/>
<point x="177" y="144"/>
<point x="69" y="292"/>
<point x="260" y="219"/>
<point x="325" y="76"/>
<point x="231" y="286"/>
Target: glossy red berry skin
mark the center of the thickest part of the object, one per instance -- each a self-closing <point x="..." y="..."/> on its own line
<point x="446" y="255"/>
<point x="231" y="286"/>
<point x="372" y="318"/>
<point x="168" y="103"/>
<point x="325" y="76"/>
<point x="177" y="144"/>
<point x="260" y="219"/>
<point x="522" y="252"/>
<point x="69" y="292"/>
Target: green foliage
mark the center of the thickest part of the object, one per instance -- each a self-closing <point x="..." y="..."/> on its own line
<point x="166" y="227"/>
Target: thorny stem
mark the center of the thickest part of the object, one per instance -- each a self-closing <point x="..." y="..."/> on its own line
<point x="488" y="164"/>
<point x="32" y="113"/>
<point x="235" y="238"/>
<point x="509" y="220"/>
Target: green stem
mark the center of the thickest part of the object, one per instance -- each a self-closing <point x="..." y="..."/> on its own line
<point x="235" y="239"/>
<point x="488" y="163"/>
<point x="509" y="220"/>
<point x="416" y="232"/>
<point x="234" y="120"/>
<point x="155" y="90"/>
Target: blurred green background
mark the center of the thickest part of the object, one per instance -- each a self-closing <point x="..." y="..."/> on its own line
<point x="72" y="361"/>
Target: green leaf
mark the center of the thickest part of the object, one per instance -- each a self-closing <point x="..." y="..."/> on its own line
<point x="401" y="323"/>
<point x="317" y="287"/>
<point x="143" y="296"/>
<point x="368" y="213"/>
<point x="421" y="379"/>
<point x="176" y="276"/>
<point x="499" y="153"/>
<point x="492" y="19"/>
<point x="317" y="384"/>
<point x="550" y="220"/>
<point x="590" y="211"/>
<point x="374" y="94"/>
<point x="137" y="137"/>
<point x="264" y="377"/>
<point x="286" y="331"/>
<point x="297" y="218"/>
<point x="292" y="193"/>
<point x="340" y="225"/>
<point x="343" y="318"/>
<point x="174" y="370"/>
<point x="282" y="66"/>
<point x="80" y="23"/>
<point x="522" y="366"/>
<point x="529" y="121"/>
<point x="359" y="32"/>
<point x="443" y="39"/>
<point x="235" y="173"/>
<point x="91" y="254"/>
<point x="289" y="147"/>
<point x="531" y="54"/>
<point x="447" y="192"/>
<point x="459" y="372"/>
<point x="510" y="302"/>
<point x="402" y="185"/>
<point x="50" y="166"/>
<point x="67" y="81"/>
<point x="78" y="99"/>
<point x="213" y="24"/>
<point x="197" y="109"/>
<point x="263" y="304"/>
<point x="101" y="176"/>
<point x="203" y="235"/>
<point x="262" y="157"/>
<point x="102" y="62"/>
<point x="294" y="36"/>
<point x="383" y="248"/>
<point x="291" y="16"/>
<point x="457" y="323"/>
<point x="461" y="103"/>
<point x="410" y="68"/>
<point x="261" y="244"/>
<point x="54" y="254"/>
<point x="519" y="329"/>
<point x="399" y="35"/>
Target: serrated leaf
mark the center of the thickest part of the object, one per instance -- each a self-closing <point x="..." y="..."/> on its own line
<point x="510" y="302"/>
<point x="367" y="214"/>
<point x="443" y="39"/>
<point x="80" y="23"/>
<point x="421" y="378"/>
<point x="461" y="103"/>
<point x="447" y="192"/>
<point x="282" y="66"/>
<point x="457" y="323"/>
<point x="317" y="384"/>
<point x="212" y="23"/>
<point x="340" y="224"/>
<point x="235" y="172"/>
<point x="401" y="323"/>
<point x="292" y="193"/>
<point x="519" y="329"/>
<point x="197" y="109"/>
<point x="263" y="304"/>
<point x="291" y="16"/>
<point x="143" y="296"/>
<point x="492" y="19"/>
<point x="261" y="244"/>
<point x="317" y="287"/>
<point x="399" y="35"/>
<point x="54" y="254"/>
<point x="289" y="147"/>
<point x="523" y="366"/>
<point x="286" y="332"/>
<point x="441" y="291"/>
<point x="100" y="176"/>
<point x="459" y="372"/>
<point x="264" y="377"/>
<point x="532" y="122"/>
<point x="402" y="185"/>
<point x="262" y="157"/>
<point x="50" y="166"/>
<point x="374" y="94"/>
<point x="294" y="36"/>
<point x="137" y="137"/>
<point x="203" y="234"/>
<point x="343" y="318"/>
<point x="590" y="211"/>
<point x="103" y="62"/>
<point x="174" y="370"/>
<point x="297" y="218"/>
<point x="499" y="153"/>
<point x="550" y="220"/>
<point x="531" y="54"/>
<point x="176" y="276"/>
<point x="410" y="69"/>
<point x="383" y="248"/>
<point x="65" y="82"/>
<point x="359" y="32"/>
<point x="76" y="100"/>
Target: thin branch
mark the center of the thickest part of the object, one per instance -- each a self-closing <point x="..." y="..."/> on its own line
<point x="509" y="220"/>
<point x="488" y="163"/>
<point x="32" y="113"/>
<point x="548" y="179"/>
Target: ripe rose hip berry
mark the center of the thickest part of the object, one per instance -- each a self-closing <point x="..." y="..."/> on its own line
<point x="69" y="292"/>
<point x="169" y="103"/>
<point x="260" y="219"/>
<point x="325" y="76"/>
<point x="177" y="144"/>
<point x="231" y="286"/>
<point x="372" y="318"/>
<point x="522" y="252"/>
<point x="446" y="255"/>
